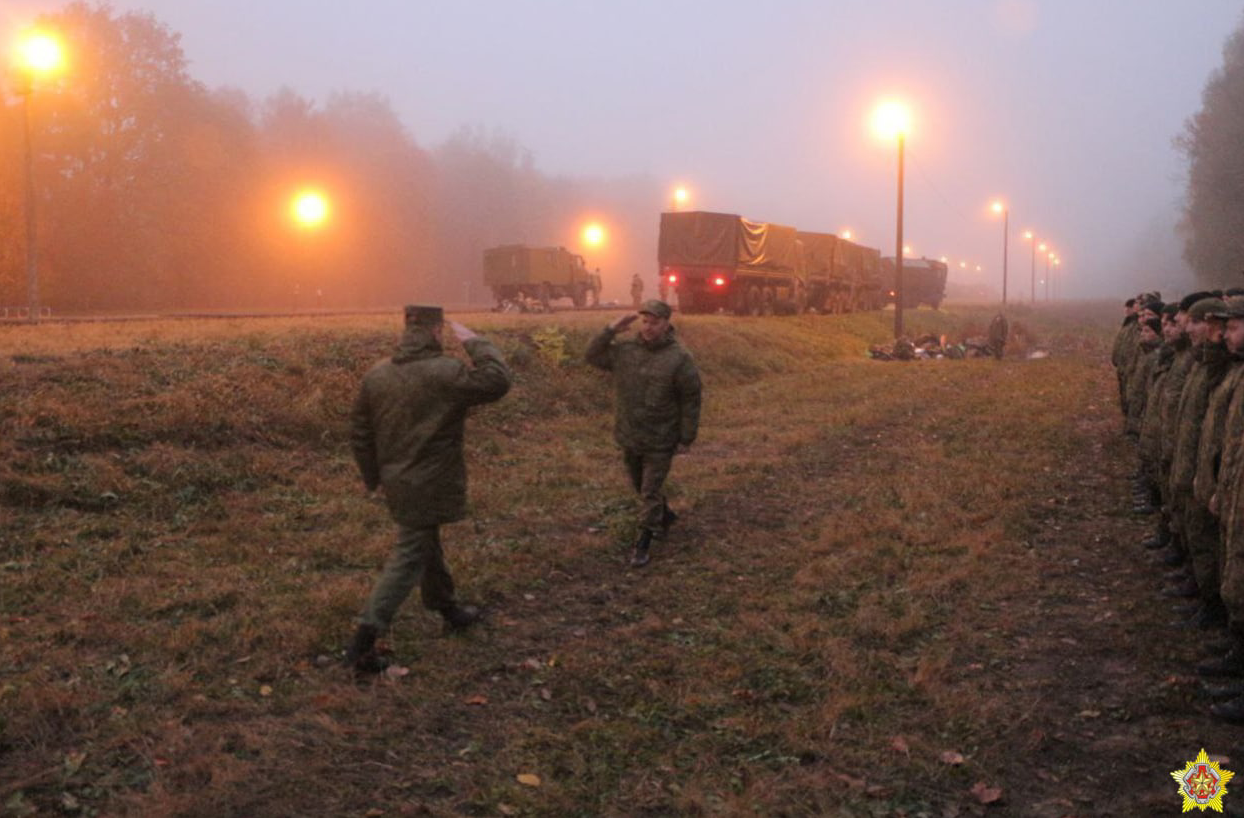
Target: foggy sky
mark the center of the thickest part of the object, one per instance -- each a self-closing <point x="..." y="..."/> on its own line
<point x="1065" y="108"/>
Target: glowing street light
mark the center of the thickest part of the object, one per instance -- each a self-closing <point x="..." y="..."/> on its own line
<point x="680" y="197"/>
<point x="310" y="209"/>
<point x="1000" y="208"/>
<point x="847" y="234"/>
<point x="891" y="120"/>
<point x="39" y="54"/>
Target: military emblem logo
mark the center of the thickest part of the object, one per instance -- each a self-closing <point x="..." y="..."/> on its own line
<point x="1202" y="783"/>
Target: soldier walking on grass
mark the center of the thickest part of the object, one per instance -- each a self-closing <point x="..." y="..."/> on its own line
<point x="406" y="433"/>
<point x="658" y="409"/>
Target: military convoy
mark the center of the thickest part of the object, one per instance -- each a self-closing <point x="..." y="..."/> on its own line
<point x="517" y="273"/>
<point x="924" y="281"/>
<point x="722" y="261"/>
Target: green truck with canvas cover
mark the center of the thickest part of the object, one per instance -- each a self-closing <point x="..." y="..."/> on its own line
<point x="924" y="281"/>
<point x="723" y="261"/>
<point x="841" y="276"/>
<point x="515" y="272"/>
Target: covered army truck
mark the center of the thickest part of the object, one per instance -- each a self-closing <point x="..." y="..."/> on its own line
<point x="516" y="272"/>
<point x="723" y="261"/>
<point x="841" y="276"/>
<point x="924" y="281"/>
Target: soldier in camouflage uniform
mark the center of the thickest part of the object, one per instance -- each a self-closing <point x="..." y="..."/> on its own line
<point x="407" y="430"/>
<point x="1150" y="445"/>
<point x="1188" y="517"/>
<point x="1124" y="341"/>
<point x="658" y="409"/>
<point x="1225" y="504"/>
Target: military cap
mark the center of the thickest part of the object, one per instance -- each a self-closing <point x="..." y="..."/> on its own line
<point x="424" y="316"/>
<point x="1188" y="300"/>
<point x="1153" y="306"/>
<point x="1154" y="324"/>
<point x="657" y="309"/>
<point x="1131" y="302"/>
<point x="1230" y="291"/>
<point x="1207" y="308"/>
<point x="1170" y="308"/>
<point x="1234" y="308"/>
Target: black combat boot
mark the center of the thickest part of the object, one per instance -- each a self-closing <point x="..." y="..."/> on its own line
<point x="1230" y="663"/>
<point x="1230" y="711"/>
<point x="1183" y="589"/>
<point x="668" y="518"/>
<point x="1159" y="540"/>
<point x="460" y="617"/>
<point x="1227" y="688"/>
<point x="361" y="655"/>
<point x="640" y="558"/>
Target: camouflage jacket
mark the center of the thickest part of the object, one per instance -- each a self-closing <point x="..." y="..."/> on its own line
<point x="1138" y="387"/>
<point x="1210" y="366"/>
<point x="1126" y="360"/>
<point x="1213" y="434"/>
<point x="657" y="390"/>
<point x="1125" y="337"/>
<point x="1231" y="476"/>
<point x="408" y="421"/>
<point x="1172" y="390"/>
<point x="1151" y="420"/>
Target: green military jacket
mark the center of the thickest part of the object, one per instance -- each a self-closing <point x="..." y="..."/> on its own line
<point x="1213" y="435"/>
<point x="1138" y="387"/>
<point x="657" y="389"/>
<point x="1202" y="378"/>
<point x="408" y="421"/>
<point x="1123" y="355"/>
<point x="1150" y="422"/>
<point x="1172" y="391"/>
<point x="1125" y="336"/>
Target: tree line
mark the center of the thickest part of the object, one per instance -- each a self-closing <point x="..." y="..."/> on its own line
<point x="154" y="192"/>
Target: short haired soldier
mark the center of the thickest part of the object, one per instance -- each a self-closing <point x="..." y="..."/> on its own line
<point x="407" y="430"/>
<point x="658" y="389"/>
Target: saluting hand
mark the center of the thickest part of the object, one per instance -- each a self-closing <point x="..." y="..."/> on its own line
<point x="623" y="323"/>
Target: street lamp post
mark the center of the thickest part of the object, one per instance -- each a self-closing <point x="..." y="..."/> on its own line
<point x="891" y="120"/>
<point x="38" y="53"/>
<point x="999" y="207"/>
<point x="1048" y="258"/>
<point x="1031" y="238"/>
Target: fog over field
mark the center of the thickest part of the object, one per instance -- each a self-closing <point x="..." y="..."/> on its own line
<point x="1067" y="111"/>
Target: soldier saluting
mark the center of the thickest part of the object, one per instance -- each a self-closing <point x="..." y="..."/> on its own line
<point x="658" y="408"/>
<point x="406" y="433"/>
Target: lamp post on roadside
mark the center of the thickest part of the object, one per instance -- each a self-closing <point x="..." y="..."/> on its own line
<point x="1031" y="238"/>
<point x="39" y="54"/>
<point x="999" y="207"/>
<point x="1048" y="258"/>
<point x="1058" y="262"/>
<point x="891" y="120"/>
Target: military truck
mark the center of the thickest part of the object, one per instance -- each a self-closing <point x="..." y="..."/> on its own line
<point x="722" y="261"/>
<point x="841" y="276"/>
<point x="516" y="272"/>
<point x="924" y="281"/>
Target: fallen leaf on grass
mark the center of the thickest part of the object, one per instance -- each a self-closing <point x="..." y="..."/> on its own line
<point x="986" y="794"/>
<point x="951" y="757"/>
<point x="528" y="779"/>
<point x="396" y="671"/>
<point x="1089" y="714"/>
<point x="477" y="699"/>
<point x="546" y="694"/>
<point x="265" y="690"/>
<point x="899" y="744"/>
<point x="506" y="809"/>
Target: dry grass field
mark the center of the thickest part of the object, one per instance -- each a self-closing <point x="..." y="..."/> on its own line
<point x="897" y="589"/>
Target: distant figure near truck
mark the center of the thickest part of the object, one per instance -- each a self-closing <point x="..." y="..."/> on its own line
<point x="515" y="271"/>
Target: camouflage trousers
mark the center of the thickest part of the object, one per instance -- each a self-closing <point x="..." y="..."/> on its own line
<point x="1204" y="549"/>
<point x="416" y="558"/>
<point x="648" y="471"/>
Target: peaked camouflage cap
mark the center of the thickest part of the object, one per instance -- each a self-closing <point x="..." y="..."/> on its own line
<point x="658" y="309"/>
<point x="1207" y="308"/>
<point x="1235" y="308"/>
<point x="424" y="316"/>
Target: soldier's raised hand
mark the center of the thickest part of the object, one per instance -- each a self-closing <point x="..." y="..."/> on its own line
<point x="460" y="331"/>
<point x="621" y="324"/>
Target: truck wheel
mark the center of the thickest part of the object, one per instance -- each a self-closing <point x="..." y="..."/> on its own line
<point x="579" y="296"/>
<point x="753" y="300"/>
<point x="801" y="299"/>
<point x="768" y="302"/>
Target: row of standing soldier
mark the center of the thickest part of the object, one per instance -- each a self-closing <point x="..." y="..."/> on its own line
<point x="1180" y="370"/>
<point x="407" y="429"/>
